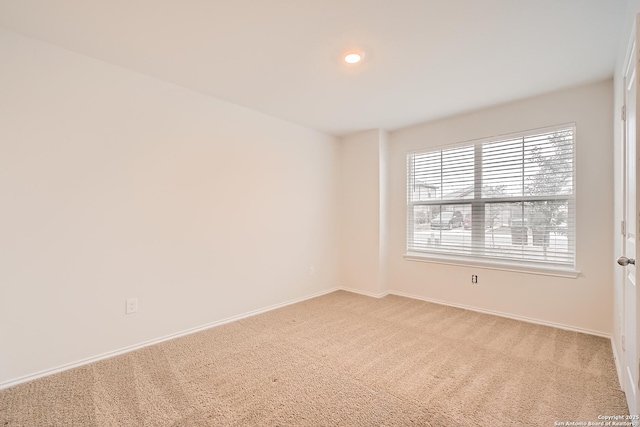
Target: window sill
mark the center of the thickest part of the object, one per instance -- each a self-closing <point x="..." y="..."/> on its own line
<point x="527" y="269"/>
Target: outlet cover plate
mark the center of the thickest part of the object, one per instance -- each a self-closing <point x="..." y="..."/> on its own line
<point x="132" y="305"/>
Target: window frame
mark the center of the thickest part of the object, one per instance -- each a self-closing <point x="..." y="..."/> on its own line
<point x="478" y="204"/>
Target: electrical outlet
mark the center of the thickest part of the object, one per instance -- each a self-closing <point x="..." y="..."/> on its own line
<point x="131" y="306"/>
<point x="474" y="278"/>
<point x="312" y="271"/>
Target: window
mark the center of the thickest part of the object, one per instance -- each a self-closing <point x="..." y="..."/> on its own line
<point x="506" y="200"/>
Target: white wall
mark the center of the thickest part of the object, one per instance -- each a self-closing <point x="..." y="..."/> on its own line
<point x="583" y="303"/>
<point x="116" y="185"/>
<point x="362" y="208"/>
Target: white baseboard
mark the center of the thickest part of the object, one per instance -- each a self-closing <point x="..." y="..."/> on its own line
<point x="106" y="355"/>
<point x="365" y="293"/>
<point x="506" y="315"/>
<point x="109" y="354"/>
<point x="528" y="320"/>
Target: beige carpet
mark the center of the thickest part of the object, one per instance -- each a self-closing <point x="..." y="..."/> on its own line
<point x="338" y="360"/>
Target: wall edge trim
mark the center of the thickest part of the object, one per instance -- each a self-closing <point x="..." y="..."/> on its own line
<point x="506" y="315"/>
<point x="123" y="350"/>
<point x="614" y="350"/>
<point x="109" y="354"/>
<point x="365" y="293"/>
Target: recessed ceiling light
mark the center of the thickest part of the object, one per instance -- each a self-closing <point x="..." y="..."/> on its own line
<point x="353" y="58"/>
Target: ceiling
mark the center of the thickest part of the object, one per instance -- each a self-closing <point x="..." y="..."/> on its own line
<point x="425" y="59"/>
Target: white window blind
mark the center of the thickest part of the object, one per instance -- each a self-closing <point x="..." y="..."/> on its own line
<point x="509" y="199"/>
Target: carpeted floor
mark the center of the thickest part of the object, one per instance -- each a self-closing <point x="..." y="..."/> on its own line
<point x="338" y="360"/>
